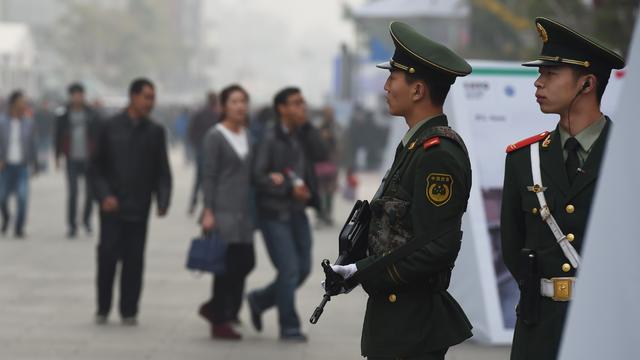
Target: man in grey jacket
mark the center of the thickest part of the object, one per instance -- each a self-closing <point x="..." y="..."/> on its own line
<point x="285" y="186"/>
<point x="18" y="150"/>
<point x="75" y="137"/>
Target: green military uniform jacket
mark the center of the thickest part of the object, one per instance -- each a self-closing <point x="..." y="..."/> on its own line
<point x="405" y="317"/>
<point x="522" y="227"/>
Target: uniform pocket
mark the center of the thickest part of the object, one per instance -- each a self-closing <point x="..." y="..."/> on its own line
<point x="390" y="225"/>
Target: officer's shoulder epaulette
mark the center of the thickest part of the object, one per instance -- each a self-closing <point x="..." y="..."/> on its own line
<point x="526" y="142"/>
<point x="429" y="142"/>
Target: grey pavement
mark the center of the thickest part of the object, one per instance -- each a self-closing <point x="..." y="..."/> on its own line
<point x="47" y="294"/>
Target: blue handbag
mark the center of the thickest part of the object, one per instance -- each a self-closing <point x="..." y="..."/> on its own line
<point x="207" y="253"/>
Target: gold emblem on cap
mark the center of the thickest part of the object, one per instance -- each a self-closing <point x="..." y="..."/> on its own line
<point x="542" y="32"/>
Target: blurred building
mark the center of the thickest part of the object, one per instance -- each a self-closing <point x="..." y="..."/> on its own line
<point x="17" y="58"/>
<point x="446" y="21"/>
<point x="44" y="17"/>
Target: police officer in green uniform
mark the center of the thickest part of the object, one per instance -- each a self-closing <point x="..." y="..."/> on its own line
<point x="414" y="234"/>
<point x="549" y="185"/>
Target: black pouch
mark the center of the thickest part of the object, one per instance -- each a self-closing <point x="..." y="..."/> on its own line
<point x="390" y="225"/>
<point x="529" y="283"/>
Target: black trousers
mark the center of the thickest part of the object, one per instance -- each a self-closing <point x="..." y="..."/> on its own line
<point x="436" y="355"/>
<point x="75" y="170"/>
<point x="197" y="182"/>
<point x="120" y="241"/>
<point x="228" y="288"/>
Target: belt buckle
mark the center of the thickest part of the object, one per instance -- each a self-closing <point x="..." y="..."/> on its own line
<point x="562" y="289"/>
<point x="545" y="213"/>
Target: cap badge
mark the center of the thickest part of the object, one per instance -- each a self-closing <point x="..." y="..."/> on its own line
<point x="542" y="32"/>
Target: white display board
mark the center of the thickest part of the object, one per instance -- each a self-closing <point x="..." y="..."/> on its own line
<point x="492" y="108"/>
<point x="603" y="318"/>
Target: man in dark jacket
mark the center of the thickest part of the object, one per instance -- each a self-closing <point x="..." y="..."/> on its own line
<point x="285" y="186"/>
<point x="129" y="166"/>
<point x="75" y="141"/>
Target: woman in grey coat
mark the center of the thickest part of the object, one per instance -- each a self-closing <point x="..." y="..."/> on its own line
<point x="227" y="196"/>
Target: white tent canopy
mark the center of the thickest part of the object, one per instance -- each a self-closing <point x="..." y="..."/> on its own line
<point x="16" y="45"/>
<point x="398" y="9"/>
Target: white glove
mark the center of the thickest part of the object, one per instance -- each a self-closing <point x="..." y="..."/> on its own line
<point x="343" y="291"/>
<point x="346" y="271"/>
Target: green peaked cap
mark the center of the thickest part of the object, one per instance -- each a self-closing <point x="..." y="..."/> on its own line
<point x="562" y="45"/>
<point x="417" y="54"/>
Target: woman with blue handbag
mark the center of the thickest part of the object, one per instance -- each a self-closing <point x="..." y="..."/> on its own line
<point x="227" y="212"/>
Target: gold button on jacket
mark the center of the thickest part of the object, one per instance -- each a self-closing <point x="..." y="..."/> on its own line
<point x="566" y="267"/>
<point x="393" y="298"/>
<point x="571" y="237"/>
<point x="570" y="209"/>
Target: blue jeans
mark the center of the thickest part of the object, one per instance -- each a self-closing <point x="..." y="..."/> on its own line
<point x="15" y="179"/>
<point x="289" y="246"/>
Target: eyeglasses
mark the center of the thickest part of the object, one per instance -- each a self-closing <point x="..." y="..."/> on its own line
<point x="296" y="102"/>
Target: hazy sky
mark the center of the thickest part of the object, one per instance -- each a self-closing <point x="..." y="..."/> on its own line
<point x="268" y="44"/>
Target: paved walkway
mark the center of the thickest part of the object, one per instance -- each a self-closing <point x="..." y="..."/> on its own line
<point x="47" y="295"/>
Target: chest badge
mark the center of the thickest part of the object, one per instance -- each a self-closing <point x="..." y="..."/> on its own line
<point x="439" y="188"/>
<point x="536" y="188"/>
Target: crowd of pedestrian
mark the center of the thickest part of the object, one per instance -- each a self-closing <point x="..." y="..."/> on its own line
<point x="253" y="173"/>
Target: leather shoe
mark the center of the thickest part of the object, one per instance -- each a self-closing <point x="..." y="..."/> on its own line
<point x="205" y="312"/>
<point x="297" y="337"/>
<point x="224" y="331"/>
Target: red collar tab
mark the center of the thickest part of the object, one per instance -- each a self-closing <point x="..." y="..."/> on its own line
<point x="526" y="142"/>
<point x="431" y="142"/>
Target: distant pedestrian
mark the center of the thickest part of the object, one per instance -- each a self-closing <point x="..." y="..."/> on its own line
<point x="327" y="171"/>
<point x="201" y="122"/>
<point x="44" y="119"/>
<point x="75" y="140"/>
<point x="227" y="208"/>
<point x="180" y="126"/>
<point x="286" y="185"/>
<point x="128" y="168"/>
<point x="18" y="151"/>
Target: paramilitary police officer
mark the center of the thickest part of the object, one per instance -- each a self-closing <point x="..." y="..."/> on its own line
<point x="549" y="185"/>
<point x="414" y="234"/>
